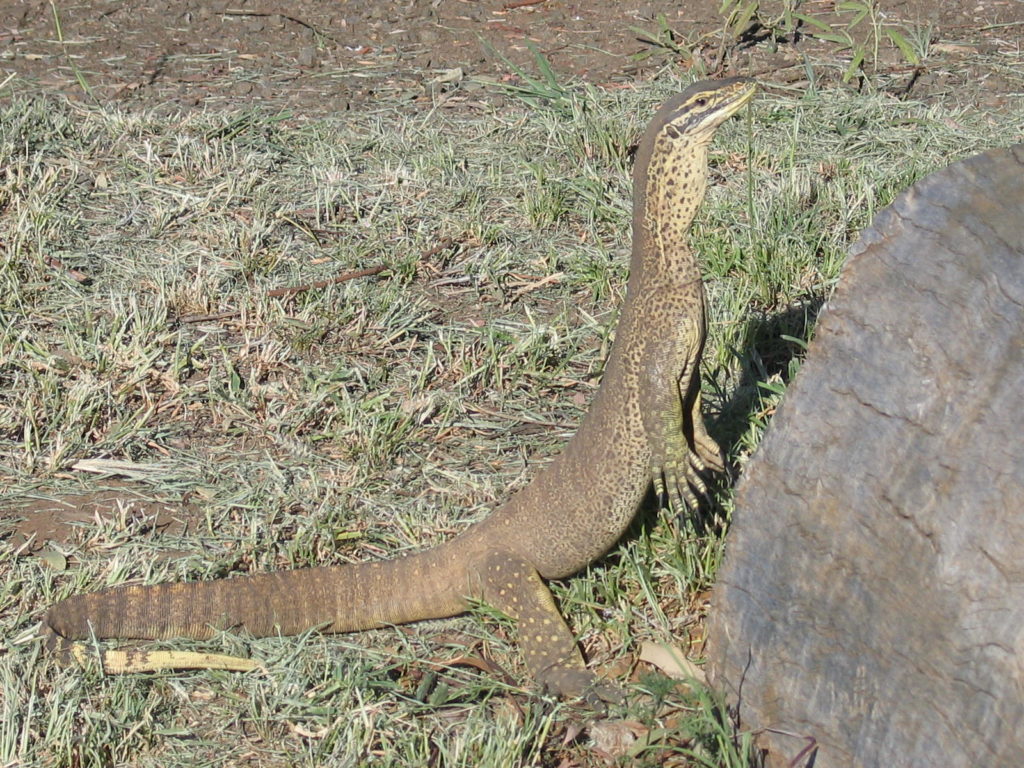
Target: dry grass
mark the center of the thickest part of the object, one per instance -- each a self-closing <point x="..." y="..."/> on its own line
<point x="380" y="414"/>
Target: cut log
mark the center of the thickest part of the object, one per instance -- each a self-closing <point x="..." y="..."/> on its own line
<point x="870" y="609"/>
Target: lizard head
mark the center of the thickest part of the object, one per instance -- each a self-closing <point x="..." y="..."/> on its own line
<point x="670" y="172"/>
<point x="695" y="113"/>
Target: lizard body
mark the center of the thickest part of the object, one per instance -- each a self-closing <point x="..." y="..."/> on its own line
<point x="644" y="424"/>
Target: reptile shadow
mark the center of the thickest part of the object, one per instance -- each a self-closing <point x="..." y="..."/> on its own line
<point x="764" y="354"/>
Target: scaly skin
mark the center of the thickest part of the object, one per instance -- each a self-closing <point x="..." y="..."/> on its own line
<point x="644" y="423"/>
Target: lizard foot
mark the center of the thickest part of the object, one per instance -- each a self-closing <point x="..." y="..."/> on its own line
<point x="575" y="683"/>
<point x="679" y="480"/>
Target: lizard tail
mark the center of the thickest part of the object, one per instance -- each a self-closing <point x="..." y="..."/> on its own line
<point x="337" y="598"/>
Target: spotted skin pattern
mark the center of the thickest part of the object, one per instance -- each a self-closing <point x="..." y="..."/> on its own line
<point x="644" y="425"/>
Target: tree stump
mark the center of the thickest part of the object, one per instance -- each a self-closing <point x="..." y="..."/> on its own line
<point x="870" y="609"/>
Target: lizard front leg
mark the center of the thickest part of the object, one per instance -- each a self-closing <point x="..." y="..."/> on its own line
<point x="511" y="584"/>
<point x="682" y="451"/>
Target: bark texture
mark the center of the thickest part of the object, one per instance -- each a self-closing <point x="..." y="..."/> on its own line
<point x="872" y="597"/>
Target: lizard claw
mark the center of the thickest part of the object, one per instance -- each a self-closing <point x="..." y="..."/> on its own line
<point x="681" y="483"/>
<point x="707" y="454"/>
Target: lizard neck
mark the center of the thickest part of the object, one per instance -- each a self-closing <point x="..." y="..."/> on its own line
<point x="669" y="181"/>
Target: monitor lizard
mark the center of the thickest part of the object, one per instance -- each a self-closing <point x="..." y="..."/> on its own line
<point x="644" y="425"/>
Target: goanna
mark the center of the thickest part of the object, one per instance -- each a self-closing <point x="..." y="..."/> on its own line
<point x="644" y="425"/>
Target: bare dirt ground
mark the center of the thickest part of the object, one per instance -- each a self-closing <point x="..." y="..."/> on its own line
<point x="321" y="58"/>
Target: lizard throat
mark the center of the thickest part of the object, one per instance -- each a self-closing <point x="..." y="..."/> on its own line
<point x="674" y="191"/>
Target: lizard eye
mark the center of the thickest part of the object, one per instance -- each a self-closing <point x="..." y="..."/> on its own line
<point x="701" y="102"/>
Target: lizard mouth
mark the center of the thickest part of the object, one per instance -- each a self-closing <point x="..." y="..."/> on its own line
<point x="743" y="91"/>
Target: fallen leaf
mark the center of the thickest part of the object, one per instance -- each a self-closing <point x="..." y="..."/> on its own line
<point x="671" y="660"/>
<point x="963" y="50"/>
<point x="615" y="738"/>
<point x="54" y="560"/>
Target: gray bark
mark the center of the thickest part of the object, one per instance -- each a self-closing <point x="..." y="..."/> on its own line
<point x="872" y="595"/>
